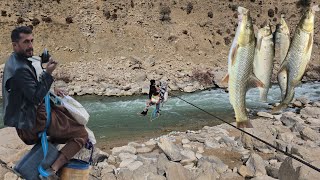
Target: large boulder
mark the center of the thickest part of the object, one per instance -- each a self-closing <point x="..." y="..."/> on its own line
<point x="170" y="149"/>
<point x="11" y="146"/>
<point x="293" y="170"/>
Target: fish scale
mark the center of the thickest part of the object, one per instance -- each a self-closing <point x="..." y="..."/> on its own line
<point x="298" y="56"/>
<point x="263" y="60"/>
<point x="238" y="81"/>
<point x="282" y="43"/>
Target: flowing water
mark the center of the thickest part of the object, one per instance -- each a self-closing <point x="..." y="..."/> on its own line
<point x="116" y="120"/>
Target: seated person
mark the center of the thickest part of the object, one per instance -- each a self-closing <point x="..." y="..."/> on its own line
<point x="154" y="97"/>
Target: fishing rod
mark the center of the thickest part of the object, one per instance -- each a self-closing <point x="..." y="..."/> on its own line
<point x="261" y="140"/>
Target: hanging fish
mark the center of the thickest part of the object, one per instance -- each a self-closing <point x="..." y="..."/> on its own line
<point x="240" y="67"/>
<point x="282" y="43"/>
<point x="298" y="56"/>
<point x="263" y="59"/>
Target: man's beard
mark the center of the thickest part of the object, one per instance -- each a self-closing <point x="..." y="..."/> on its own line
<point x="26" y="53"/>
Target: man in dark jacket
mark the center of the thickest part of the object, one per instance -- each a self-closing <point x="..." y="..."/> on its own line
<point x="23" y="105"/>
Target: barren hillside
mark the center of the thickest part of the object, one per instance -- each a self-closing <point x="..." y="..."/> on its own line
<point x="105" y="45"/>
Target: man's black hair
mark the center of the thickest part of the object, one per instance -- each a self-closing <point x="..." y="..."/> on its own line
<point x="15" y="34"/>
<point x="152" y="82"/>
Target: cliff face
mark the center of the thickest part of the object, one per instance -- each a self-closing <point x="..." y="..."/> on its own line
<point x="111" y="44"/>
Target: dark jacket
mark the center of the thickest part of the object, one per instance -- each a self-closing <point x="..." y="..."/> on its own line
<point x="22" y="92"/>
<point x="152" y="90"/>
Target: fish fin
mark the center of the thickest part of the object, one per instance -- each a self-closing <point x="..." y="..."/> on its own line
<point x="309" y="43"/>
<point x="244" y="124"/>
<point x="263" y="98"/>
<point x="225" y="79"/>
<point x="315" y="8"/>
<point x="279" y="108"/>
<point x="295" y="84"/>
<point x="259" y="42"/>
<point x="283" y="87"/>
<point x="255" y="82"/>
<point x="234" y="54"/>
<point x="255" y="30"/>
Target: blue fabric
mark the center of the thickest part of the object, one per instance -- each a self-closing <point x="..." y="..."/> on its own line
<point x="43" y="136"/>
<point x="77" y="164"/>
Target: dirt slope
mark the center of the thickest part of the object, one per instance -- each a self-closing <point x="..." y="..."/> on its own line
<point x="121" y="42"/>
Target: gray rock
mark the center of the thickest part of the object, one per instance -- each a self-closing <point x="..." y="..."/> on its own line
<point x="307" y="154"/>
<point x="144" y="150"/>
<point x="3" y="171"/>
<point x="206" y="172"/>
<point x="313" y="121"/>
<point x="290" y="119"/>
<point x="170" y="149"/>
<point x="282" y="145"/>
<point x="217" y="164"/>
<point x="134" y="165"/>
<point x="265" y="114"/>
<point x="124" y="156"/>
<point x="211" y="143"/>
<point x="124" y="174"/>
<point x="297" y="127"/>
<point x="286" y="137"/>
<point x="303" y="99"/>
<point x="155" y="177"/>
<point x="256" y="164"/>
<point x="134" y="144"/>
<point x="144" y="171"/>
<point x="108" y="176"/>
<point x="310" y="112"/>
<point x="185" y="141"/>
<point x="10" y="176"/>
<point x="126" y="162"/>
<point x="11" y="146"/>
<point x="293" y="170"/>
<point x="310" y="134"/>
<point x="264" y="177"/>
<point x="244" y="171"/>
<point x="297" y="104"/>
<point x="316" y="104"/>
<point x="188" y="154"/>
<point x="129" y="149"/>
<point x="111" y="159"/>
<point x="176" y="171"/>
<point x="230" y="176"/>
<point x="108" y="169"/>
<point x="162" y="164"/>
<point x="272" y="171"/>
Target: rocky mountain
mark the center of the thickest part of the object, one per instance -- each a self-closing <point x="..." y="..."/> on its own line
<point x="115" y="47"/>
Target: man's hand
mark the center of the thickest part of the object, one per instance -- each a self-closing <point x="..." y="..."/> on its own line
<point x="60" y="92"/>
<point x="51" y="65"/>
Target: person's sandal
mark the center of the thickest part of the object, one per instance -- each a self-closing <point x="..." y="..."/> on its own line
<point x="53" y="175"/>
<point x="144" y="112"/>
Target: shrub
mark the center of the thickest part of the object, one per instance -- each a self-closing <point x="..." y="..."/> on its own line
<point x="165" y="13"/>
<point x="189" y="7"/>
<point x="35" y="21"/>
<point x="204" y="77"/>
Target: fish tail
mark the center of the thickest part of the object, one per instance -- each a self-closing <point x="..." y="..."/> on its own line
<point x="279" y="108"/>
<point x="263" y="95"/>
<point x="244" y="124"/>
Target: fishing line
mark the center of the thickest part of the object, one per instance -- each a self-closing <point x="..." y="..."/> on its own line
<point x="287" y="154"/>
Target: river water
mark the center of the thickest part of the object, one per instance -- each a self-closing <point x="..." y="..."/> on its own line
<point x="116" y="120"/>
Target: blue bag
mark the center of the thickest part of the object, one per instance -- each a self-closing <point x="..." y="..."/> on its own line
<point x="27" y="167"/>
<point x="41" y="156"/>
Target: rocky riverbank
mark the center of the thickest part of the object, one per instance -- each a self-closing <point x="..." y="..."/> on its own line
<point x="219" y="152"/>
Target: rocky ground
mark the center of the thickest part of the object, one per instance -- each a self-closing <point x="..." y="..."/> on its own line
<point x="219" y="152"/>
<point x="115" y="47"/>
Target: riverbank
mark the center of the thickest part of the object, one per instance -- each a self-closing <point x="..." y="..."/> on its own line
<point x="218" y="152"/>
